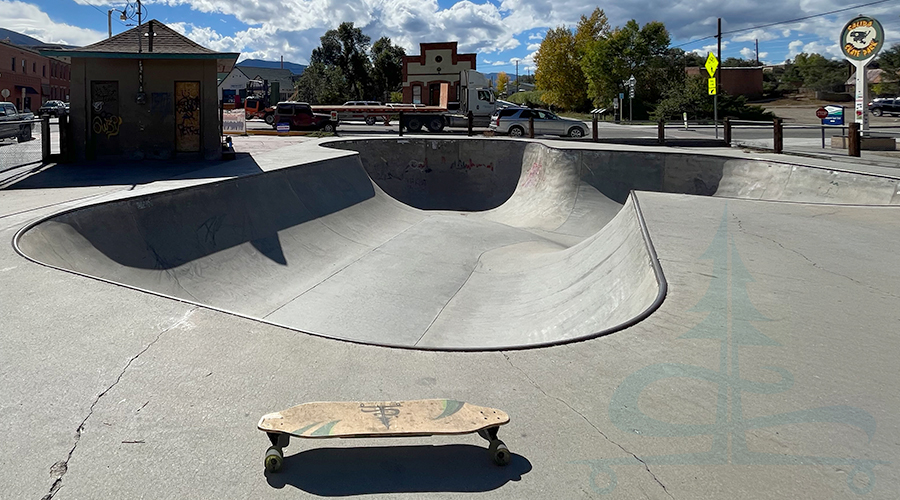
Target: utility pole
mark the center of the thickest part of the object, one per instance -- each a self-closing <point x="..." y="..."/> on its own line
<point x="757" y="51"/>
<point x="517" y="75"/>
<point x="718" y="72"/>
<point x="139" y="13"/>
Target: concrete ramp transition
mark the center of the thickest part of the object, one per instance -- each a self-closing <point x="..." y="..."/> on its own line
<point x="422" y="243"/>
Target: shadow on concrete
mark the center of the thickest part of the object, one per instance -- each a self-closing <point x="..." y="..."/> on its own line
<point x="111" y="173"/>
<point x="396" y="469"/>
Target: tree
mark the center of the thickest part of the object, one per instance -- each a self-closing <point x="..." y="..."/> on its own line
<point x="590" y="29"/>
<point x="691" y="97"/>
<point x="347" y="48"/>
<point x="558" y="74"/>
<point x="387" y="68"/>
<point x="322" y="84"/>
<point x="889" y="62"/>
<point x="502" y="82"/>
<point x="737" y="62"/>
<point x="820" y="74"/>
<point x="631" y="50"/>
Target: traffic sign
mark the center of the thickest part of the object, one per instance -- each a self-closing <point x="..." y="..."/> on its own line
<point x="711" y="64"/>
<point x="821" y="113"/>
<point x="631" y="93"/>
<point x="712" y="86"/>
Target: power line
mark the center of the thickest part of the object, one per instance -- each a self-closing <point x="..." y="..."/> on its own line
<point x="98" y="9"/>
<point x="783" y="22"/>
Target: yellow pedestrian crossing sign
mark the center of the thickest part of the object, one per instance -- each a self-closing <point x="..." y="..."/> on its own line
<point x="711" y="64"/>
<point x="712" y="86"/>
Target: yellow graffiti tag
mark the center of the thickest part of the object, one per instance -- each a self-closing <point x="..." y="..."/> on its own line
<point x="107" y="125"/>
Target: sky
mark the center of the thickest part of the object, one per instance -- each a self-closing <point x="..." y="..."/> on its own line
<point x="501" y="32"/>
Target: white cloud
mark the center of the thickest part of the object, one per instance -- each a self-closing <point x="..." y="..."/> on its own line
<point x="28" y="19"/>
<point x="761" y="35"/>
<point x="749" y="53"/>
<point x="795" y="48"/>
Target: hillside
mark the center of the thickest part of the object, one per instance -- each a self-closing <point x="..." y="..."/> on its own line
<point x="18" y="38"/>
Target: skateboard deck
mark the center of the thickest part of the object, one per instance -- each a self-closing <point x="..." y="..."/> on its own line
<point x="347" y="419"/>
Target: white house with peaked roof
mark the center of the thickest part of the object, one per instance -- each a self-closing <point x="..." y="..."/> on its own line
<point x="232" y="85"/>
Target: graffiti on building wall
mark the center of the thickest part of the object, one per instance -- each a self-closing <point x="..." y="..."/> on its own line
<point x="106" y="120"/>
<point x="108" y="125"/>
<point x="187" y="116"/>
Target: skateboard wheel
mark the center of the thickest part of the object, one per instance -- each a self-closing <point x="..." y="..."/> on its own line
<point x="499" y="453"/>
<point x="274" y="459"/>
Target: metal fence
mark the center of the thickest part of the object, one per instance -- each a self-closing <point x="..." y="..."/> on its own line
<point x="813" y="139"/>
<point x="40" y="144"/>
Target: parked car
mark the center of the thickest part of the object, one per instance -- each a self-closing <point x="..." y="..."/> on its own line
<point x="885" y="106"/>
<point x="13" y="123"/>
<point x="52" y="108"/>
<point x="301" y="117"/>
<point x="514" y="121"/>
<point x="348" y="116"/>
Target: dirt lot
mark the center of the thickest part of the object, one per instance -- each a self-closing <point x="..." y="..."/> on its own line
<point x="801" y="110"/>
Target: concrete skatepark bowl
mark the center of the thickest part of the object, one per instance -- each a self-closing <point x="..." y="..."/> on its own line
<point x="422" y="243"/>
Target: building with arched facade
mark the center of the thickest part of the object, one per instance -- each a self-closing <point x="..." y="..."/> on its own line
<point x="436" y="63"/>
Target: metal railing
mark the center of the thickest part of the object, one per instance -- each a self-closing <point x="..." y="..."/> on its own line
<point x="40" y="141"/>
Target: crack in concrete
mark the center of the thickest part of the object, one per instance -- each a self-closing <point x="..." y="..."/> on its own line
<point x="59" y="469"/>
<point x="536" y="386"/>
<point x="815" y="265"/>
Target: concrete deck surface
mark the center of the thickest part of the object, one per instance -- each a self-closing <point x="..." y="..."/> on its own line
<point x="769" y="371"/>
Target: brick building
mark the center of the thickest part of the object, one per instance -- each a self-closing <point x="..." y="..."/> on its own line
<point x="31" y="78"/>
<point x="745" y="81"/>
<point x="436" y="63"/>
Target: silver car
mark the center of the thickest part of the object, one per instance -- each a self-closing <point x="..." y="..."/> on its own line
<point x="514" y="121"/>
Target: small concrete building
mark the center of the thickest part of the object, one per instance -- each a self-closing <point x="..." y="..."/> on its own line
<point x="436" y="63"/>
<point x="148" y="92"/>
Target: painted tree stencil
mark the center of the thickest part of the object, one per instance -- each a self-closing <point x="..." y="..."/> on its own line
<point x="730" y="322"/>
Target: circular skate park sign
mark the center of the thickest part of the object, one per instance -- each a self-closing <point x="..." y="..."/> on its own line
<point x="861" y="38"/>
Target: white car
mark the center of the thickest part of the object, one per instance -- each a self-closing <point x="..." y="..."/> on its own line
<point x="515" y="122"/>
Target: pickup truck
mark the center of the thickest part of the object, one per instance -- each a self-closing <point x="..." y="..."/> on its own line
<point x="300" y="116"/>
<point x="15" y="124"/>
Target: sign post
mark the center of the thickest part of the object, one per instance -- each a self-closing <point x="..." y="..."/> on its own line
<point x="860" y="41"/>
<point x="630" y="84"/>
<point x="711" y="65"/>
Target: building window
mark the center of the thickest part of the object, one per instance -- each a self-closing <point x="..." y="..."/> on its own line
<point x="14" y="65"/>
<point x="417" y="94"/>
<point x="23" y="65"/>
<point x="438" y="59"/>
<point x="34" y="67"/>
<point x="44" y="70"/>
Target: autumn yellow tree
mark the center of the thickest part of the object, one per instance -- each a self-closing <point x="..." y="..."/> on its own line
<point x="558" y="72"/>
<point x="502" y="82"/>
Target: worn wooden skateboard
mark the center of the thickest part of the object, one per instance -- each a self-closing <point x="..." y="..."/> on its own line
<point x="425" y="417"/>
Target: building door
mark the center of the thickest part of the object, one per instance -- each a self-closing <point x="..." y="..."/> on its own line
<point x="187" y="117"/>
<point x="434" y="94"/>
<point x="105" y="119"/>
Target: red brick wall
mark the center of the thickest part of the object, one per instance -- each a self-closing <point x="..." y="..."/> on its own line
<point x="37" y="76"/>
<point x="735" y="81"/>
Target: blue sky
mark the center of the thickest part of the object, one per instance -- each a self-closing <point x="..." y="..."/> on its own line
<point x="500" y="31"/>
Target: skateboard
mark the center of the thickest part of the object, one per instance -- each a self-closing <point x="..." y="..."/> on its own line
<point x="353" y="419"/>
